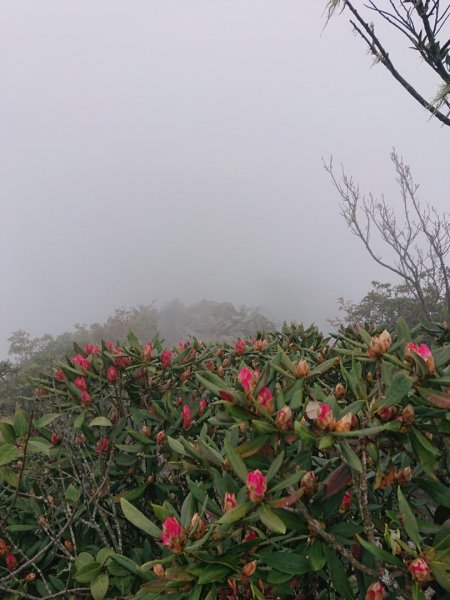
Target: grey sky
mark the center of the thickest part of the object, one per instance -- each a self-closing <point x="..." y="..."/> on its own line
<point x="159" y="149"/>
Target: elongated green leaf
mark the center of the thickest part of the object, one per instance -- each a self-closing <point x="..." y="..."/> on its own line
<point x="176" y="446"/>
<point x="379" y="552"/>
<point x="275" y="466"/>
<point x="21" y="422"/>
<point x="235" y="514"/>
<point x="214" y="573"/>
<point x="286" y="562"/>
<point x="398" y="390"/>
<point x="350" y="457"/>
<point x="8" y="454"/>
<point x="338" y="574"/>
<point x="408" y="518"/>
<point x="46" y="420"/>
<point x="138" y="519"/>
<point x="271" y="520"/>
<point x="438" y="491"/>
<point x="236" y="461"/>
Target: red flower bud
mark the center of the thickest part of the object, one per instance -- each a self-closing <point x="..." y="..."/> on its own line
<point x="11" y="562"/>
<point x="256" y="484"/>
<point x="173" y="535"/>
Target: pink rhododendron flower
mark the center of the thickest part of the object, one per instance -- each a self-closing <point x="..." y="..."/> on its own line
<point x="424" y="352"/>
<point x="82" y="362"/>
<point x="420" y="570"/>
<point x="173" y="535"/>
<point x="240" y="346"/>
<point x="265" y="400"/>
<point x="86" y="398"/>
<point x="59" y="375"/>
<point x="324" y="419"/>
<point x="283" y="419"/>
<point x="92" y="349"/>
<point x="111" y="346"/>
<point x="256" y="484"/>
<point x="166" y="358"/>
<point x="202" y="406"/>
<point x="375" y="591"/>
<point x="229" y="501"/>
<point x="186" y="416"/>
<point x="80" y="382"/>
<point x="246" y="380"/>
<point x="148" y="350"/>
<point x="112" y="374"/>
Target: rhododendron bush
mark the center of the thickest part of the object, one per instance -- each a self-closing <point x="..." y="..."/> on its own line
<point x="290" y="466"/>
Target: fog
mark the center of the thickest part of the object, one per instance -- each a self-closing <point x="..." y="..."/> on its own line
<point x="152" y="150"/>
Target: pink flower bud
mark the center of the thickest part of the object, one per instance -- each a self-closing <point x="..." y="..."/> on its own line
<point x="265" y="400"/>
<point x="173" y="535"/>
<point x="82" y="362"/>
<point x="240" y="347"/>
<point x="11" y="562"/>
<point x="86" y="398"/>
<point x="91" y="349"/>
<point x="166" y="358"/>
<point x="245" y="378"/>
<point x="59" y="375"/>
<point x="324" y="419"/>
<point x="186" y="416"/>
<point x="375" y="591"/>
<point x="3" y="548"/>
<point x="55" y="439"/>
<point x="256" y="484"/>
<point x="227" y="396"/>
<point x="160" y="437"/>
<point x="202" y="406"/>
<point x="388" y="413"/>
<point x="283" y="419"/>
<point x="229" y="501"/>
<point x="102" y="446"/>
<point x="249" y="568"/>
<point x="259" y="345"/>
<point x="346" y="501"/>
<point x="80" y="383"/>
<point x="148" y="350"/>
<point x="112" y="374"/>
<point x="424" y="352"/>
<point x="420" y="570"/>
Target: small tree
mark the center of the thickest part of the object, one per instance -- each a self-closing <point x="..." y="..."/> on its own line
<point x="423" y="23"/>
<point x="419" y="243"/>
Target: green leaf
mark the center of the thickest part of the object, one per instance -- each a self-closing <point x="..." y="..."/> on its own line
<point x="438" y="491"/>
<point x="100" y="422"/>
<point x="325" y="442"/>
<point x="21" y="422"/>
<point x="176" y="446"/>
<point x="379" y="552"/>
<point x="338" y="573"/>
<point x="350" y="457"/>
<point x="39" y="446"/>
<point x="397" y="391"/>
<point x="138" y="519"/>
<point x="441" y="572"/>
<point x="271" y="520"/>
<point x="72" y="493"/>
<point x="10" y="476"/>
<point x="8" y="433"/>
<point x="88" y="573"/>
<point x="214" y="573"/>
<point x="316" y="556"/>
<point x="8" y="454"/>
<point x="46" y="420"/>
<point x="408" y="518"/>
<point x="275" y="466"/>
<point x="235" y="514"/>
<point x="83" y="559"/>
<point x="286" y="562"/>
<point x="99" y="586"/>
<point x="235" y="459"/>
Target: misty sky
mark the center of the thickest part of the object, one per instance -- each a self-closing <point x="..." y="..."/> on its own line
<point x="160" y="149"/>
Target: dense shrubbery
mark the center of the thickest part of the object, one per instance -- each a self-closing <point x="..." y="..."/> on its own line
<point x="290" y="466"/>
